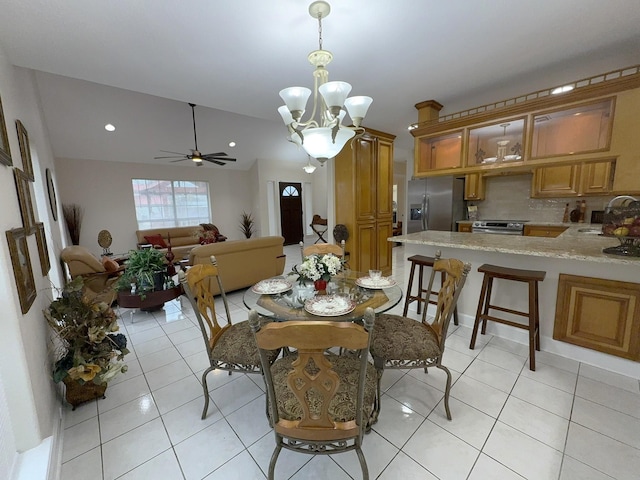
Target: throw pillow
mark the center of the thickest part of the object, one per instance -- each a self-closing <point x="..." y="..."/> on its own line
<point x="110" y="265"/>
<point x="210" y="227"/>
<point x="156" y="240"/>
<point x="207" y="240"/>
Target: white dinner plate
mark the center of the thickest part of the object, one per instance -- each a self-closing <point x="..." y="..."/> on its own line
<point x="329" y="305"/>
<point x="368" y="282"/>
<point x="271" y="286"/>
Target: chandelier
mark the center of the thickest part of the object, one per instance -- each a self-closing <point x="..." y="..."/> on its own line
<point x="308" y="167"/>
<point x="325" y="136"/>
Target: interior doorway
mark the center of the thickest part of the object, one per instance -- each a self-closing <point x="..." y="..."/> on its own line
<point x="291" y="212"/>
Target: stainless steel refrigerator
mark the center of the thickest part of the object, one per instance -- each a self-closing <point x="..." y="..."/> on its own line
<point x="435" y="203"/>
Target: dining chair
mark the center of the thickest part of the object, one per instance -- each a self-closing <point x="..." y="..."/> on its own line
<point x="322" y="249"/>
<point x="402" y="342"/>
<point x="230" y="347"/>
<point x="319" y="402"/>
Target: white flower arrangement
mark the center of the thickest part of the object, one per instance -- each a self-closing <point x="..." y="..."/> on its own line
<point x="318" y="267"/>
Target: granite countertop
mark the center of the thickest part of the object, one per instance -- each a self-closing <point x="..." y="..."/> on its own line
<point x="571" y="244"/>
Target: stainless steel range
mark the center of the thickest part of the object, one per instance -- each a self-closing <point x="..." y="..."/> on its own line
<point x="500" y="227"/>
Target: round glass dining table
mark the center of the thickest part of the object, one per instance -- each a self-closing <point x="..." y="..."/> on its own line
<point x="298" y="301"/>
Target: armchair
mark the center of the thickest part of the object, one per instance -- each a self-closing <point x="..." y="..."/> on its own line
<point x="99" y="281"/>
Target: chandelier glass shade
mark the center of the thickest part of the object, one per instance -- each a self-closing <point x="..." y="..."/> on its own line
<point x="323" y="134"/>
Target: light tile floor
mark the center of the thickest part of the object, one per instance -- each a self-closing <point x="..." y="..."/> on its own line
<point x="565" y="421"/>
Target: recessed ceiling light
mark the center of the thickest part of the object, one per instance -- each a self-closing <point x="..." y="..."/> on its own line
<point x="563" y="89"/>
<point x="109" y="128"/>
<point x="232" y="144"/>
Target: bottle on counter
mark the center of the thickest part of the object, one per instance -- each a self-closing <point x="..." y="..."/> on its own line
<point x="565" y="216"/>
<point x="574" y="215"/>
<point x="583" y="210"/>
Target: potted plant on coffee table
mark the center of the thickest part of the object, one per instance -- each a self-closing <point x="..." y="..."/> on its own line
<point x="145" y="271"/>
<point x="88" y="350"/>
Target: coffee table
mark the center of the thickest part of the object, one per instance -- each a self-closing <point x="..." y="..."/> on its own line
<point x="150" y="301"/>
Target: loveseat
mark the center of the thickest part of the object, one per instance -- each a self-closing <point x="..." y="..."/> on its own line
<point x="183" y="239"/>
<point x="242" y="263"/>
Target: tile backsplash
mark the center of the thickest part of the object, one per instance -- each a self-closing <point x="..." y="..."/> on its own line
<point x="508" y="197"/>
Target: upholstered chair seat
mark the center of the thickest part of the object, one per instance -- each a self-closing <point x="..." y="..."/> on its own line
<point x="237" y="346"/>
<point x="397" y="338"/>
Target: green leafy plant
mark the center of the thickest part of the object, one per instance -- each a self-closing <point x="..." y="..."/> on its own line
<point x="140" y="269"/>
<point x="87" y="347"/>
<point x="247" y="225"/>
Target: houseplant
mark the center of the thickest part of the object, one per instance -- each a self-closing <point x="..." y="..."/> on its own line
<point x="145" y="271"/>
<point x="247" y="225"/>
<point x="88" y="350"/>
<point x="319" y="269"/>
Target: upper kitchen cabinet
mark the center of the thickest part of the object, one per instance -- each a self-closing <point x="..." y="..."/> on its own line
<point x="595" y="120"/>
<point x="495" y="144"/>
<point x="584" y="128"/>
<point x="442" y="152"/>
<point x="575" y="179"/>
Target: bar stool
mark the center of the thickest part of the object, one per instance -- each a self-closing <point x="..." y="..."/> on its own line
<point x="532" y="277"/>
<point x="422" y="261"/>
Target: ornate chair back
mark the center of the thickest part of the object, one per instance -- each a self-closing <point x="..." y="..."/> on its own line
<point x="452" y="282"/>
<point x="321" y="249"/>
<point x="196" y="283"/>
<point x="317" y="400"/>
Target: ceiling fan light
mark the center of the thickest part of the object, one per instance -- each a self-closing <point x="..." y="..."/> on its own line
<point x="197" y="159"/>
<point x="319" y="144"/>
<point x="334" y="93"/>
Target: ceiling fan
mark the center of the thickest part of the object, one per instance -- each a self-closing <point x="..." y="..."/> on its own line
<point x="218" y="158"/>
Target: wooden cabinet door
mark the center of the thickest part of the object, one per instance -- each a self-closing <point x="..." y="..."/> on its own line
<point x="365" y="165"/>
<point x="562" y="180"/>
<point x="366" y="247"/>
<point x="384" y="178"/>
<point x="474" y="186"/>
<point x="384" y="248"/>
<point x="596" y="177"/>
<point x="603" y="315"/>
<point x="542" y="231"/>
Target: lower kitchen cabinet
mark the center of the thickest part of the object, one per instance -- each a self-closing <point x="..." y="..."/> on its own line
<point x="543" y="231"/>
<point x="603" y="315"/>
<point x="464" y="227"/>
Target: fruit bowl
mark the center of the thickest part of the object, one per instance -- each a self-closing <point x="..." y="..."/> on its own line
<point x="622" y="221"/>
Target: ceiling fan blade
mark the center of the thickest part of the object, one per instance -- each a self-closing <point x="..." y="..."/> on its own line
<point x="179" y="160"/>
<point x="175" y="153"/>
<point x="214" y="157"/>
<point x="173" y="156"/>
<point x="218" y="162"/>
<point x="217" y="154"/>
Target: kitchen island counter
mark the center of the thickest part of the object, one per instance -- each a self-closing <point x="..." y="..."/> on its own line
<point x="571" y="244"/>
<point x="572" y="253"/>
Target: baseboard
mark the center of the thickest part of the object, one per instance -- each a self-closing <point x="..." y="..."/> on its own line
<point x="44" y="461"/>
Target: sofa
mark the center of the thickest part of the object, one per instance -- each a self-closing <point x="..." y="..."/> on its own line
<point x="242" y="263"/>
<point x="183" y="239"/>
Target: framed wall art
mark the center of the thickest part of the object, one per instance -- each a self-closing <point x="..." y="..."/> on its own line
<point x="51" y="190"/>
<point x="41" y="239"/>
<point x="5" y="151"/>
<point x="24" y="199"/>
<point x="22" y="272"/>
<point x="25" y="150"/>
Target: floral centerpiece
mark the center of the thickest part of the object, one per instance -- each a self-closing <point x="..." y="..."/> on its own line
<point x="88" y="350"/>
<point x="318" y="268"/>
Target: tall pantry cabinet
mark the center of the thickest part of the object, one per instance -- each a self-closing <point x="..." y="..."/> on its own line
<point x="364" y="200"/>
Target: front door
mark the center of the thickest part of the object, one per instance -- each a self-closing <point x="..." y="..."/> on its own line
<point x="291" y="212"/>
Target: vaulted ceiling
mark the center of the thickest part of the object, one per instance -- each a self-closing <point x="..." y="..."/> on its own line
<point x="137" y="64"/>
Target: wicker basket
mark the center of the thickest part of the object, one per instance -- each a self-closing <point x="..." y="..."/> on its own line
<point x="77" y="394"/>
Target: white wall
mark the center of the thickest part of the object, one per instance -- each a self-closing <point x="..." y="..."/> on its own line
<point x="105" y="193"/>
<point x="25" y="368"/>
